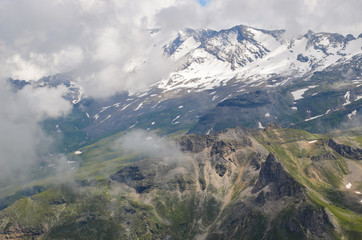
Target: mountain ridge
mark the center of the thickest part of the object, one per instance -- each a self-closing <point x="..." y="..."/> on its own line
<point x="317" y="67"/>
<point x="237" y="184"/>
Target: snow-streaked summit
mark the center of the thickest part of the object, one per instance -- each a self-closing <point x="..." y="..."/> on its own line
<point x="208" y="58"/>
<point x="216" y="66"/>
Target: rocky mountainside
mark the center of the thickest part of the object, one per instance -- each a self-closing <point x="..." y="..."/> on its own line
<point x="239" y="184"/>
<point x="195" y="171"/>
<point x="229" y="71"/>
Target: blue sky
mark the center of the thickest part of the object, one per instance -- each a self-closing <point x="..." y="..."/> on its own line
<point x="203" y="2"/>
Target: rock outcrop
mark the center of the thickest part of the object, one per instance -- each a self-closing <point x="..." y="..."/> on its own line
<point x="135" y="177"/>
<point x="272" y="174"/>
<point x="345" y="151"/>
<point x="325" y="156"/>
<point x="196" y="143"/>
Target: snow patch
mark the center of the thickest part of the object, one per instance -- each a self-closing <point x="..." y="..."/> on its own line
<point x="139" y="106"/>
<point x="109" y="116"/>
<point x="267" y="114"/>
<point x="77" y="152"/>
<point x="347" y="98"/>
<point x="298" y="94"/>
<point x="208" y="132"/>
<point x="117" y="104"/>
<point x="314" y="141"/>
<point x="353" y="113"/>
<point x="104" y="109"/>
<point x="260" y="125"/>
<point x="174" y="120"/>
<point x="180" y="106"/>
<point x="227" y="97"/>
<point x="125" y="106"/>
<point x="348" y="186"/>
<point x="308" y="119"/>
<point x="294" y="108"/>
<point x="156" y="105"/>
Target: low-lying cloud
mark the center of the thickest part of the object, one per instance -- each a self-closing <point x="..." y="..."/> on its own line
<point x="145" y="144"/>
<point x="22" y="141"/>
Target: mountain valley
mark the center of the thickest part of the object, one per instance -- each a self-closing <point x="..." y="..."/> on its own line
<point x="252" y="136"/>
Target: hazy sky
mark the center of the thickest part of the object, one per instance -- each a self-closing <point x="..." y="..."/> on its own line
<point x="99" y="42"/>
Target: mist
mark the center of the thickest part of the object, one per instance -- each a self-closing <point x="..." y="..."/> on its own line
<point x="23" y="143"/>
<point x="148" y="145"/>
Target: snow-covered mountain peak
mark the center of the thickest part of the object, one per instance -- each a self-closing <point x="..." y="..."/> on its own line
<point x="326" y="42"/>
<point x="241" y="57"/>
<point x="209" y="58"/>
<point x="215" y="66"/>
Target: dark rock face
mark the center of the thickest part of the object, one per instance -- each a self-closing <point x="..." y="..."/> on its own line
<point x="303" y="222"/>
<point x="255" y="161"/>
<point x="313" y="220"/>
<point x="147" y="176"/>
<point x="221" y="149"/>
<point x="248" y="219"/>
<point x="243" y="221"/>
<point x="220" y="169"/>
<point x="281" y="184"/>
<point x="219" y="152"/>
<point x="134" y="177"/>
<point x="260" y="199"/>
<point x="325" y="156"/>
<point x="271" y="126"/>
<point x="195" y="143"/>
<point x="240" y="222"/>
<point x="17" y="232"/>
<point x="345" y="151"/>
<point x="302" y="58"/>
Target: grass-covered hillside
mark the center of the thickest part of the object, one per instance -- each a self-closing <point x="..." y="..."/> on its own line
<point x="274" y="183"/>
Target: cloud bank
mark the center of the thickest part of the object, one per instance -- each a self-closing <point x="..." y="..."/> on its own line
<point x="146" y="144"/>
<point x="22" y="141"/>
<point x="107" y="45"/>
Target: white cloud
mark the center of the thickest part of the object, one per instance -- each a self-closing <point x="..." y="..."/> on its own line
<point x="311" y="4"/>
<point x="96" y="40"/>
<point x="22" y="139"/>
<point x="149" y="145"/>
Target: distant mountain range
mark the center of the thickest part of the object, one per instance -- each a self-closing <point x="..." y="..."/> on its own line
<point x="253" y="136"/>
<point x="257" y="75"/>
